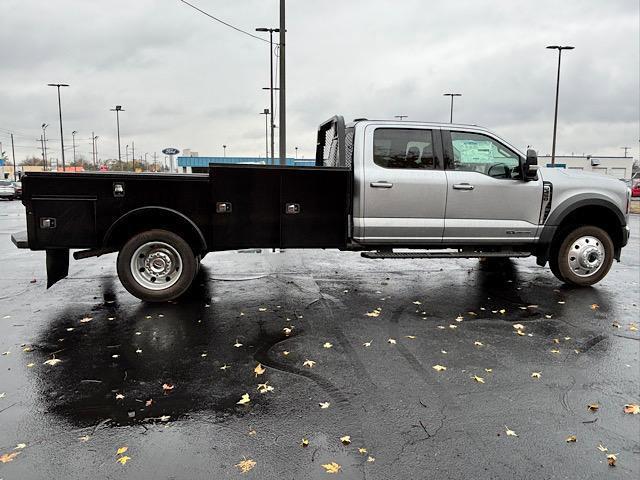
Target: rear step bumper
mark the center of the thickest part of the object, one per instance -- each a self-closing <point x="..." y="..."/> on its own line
<point x="20" y="239"/>
<point x="383" y="254"/>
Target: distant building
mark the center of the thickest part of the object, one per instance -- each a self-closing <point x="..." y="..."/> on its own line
<point x="195" y="164"/>
<point x="616" y="167"/>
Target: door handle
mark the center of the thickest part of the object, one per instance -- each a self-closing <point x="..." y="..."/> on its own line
<point x="381" y="184"/>
<point x="463" y="186"/>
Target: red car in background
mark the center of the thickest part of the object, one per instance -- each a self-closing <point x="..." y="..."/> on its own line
<point x="635" y="188"/>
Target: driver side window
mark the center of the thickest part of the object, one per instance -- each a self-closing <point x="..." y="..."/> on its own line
<point x="474" y="152"/>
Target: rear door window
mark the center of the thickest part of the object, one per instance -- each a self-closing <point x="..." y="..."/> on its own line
<point x="404" y="149"/>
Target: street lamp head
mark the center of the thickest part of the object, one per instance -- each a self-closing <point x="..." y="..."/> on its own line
<point x="559" y="47"/>
<point x="57" y="84"/>
<point x="44" y="125"/>
<point x="74" y="132"/>
<point x="262" y="29"/>
<point x="451" y="94"/>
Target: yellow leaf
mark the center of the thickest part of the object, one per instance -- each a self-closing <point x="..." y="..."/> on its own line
<point x="593" y="407"/>
<point x="304" y="443"/>
<point x="8" y="457"/>
<point x="452" y="326"/>
<point x="410" y="337"/>
<point x="20" y="446"/>
<point x="392" y="341"/>
<point x="488" y="370"/>
<point x="327" y="345"/>
<point x="362" y="451"/>
<point x="439" y="368"/>
<point x="346" y="440"/>
<point x="287" y="330"/>
<point x="52" y="361"/>
<point x="121" y="450"/>
<point x="612" y="458"/>
<point x="86" y="320"/>
<point x="478" y="379"/>
<point x="27" y="349"/>
<point x="555" y="350"/>
<point x="518" y="326"/>
<point x="244" y="400"/>
<point x="510" y="433"/>
<point x="367" y="344"/>
<point x="632" y="409"/>
<point x="521" y="333"/>
<point x="633" y="327"/>
<point x="536" y="375"/>
<point x="31" y="365"/>
<point x="571" y="439"/>
<point x="443" y="351"/>
<point x="265" y="387"/>
<point x="262" y="309"/>
<point x="459" y="318"/>
<point x="417" y="302"/>
<point x="119" y="396"/>
<point x="595" y="306"/>
<point x="123" y="460"/>
<point x="324" y="404"/>
<point x="478" y="344"/>
<point x="556" y="340"/>
<point x="371" y="459"/>
<point x="308" y="363"/>
<point x="332" y="467"/>
<point x="602" y="448"/>
<point x="562" y="302"/>
<point x="441" y="327"/>
<point x="225" y="367"/>
<point x="84" y="438"/>
<point x="246" y="465"/>
<point x="167" y="387"/>
<point x="503" y="311"/>
<point x="375" y="313"/>
<point x="259" y="370"/>
<point x="237" y="344"/>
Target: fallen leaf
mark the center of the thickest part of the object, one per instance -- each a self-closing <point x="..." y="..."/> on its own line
<point x="593" y="407"/>
<point x="555" y="350"/>
<point x="452" y="326"/>
<point x="123" y="460"/>
<point x="265" y="387"/>
<point x="346" y="440"/>
<point x="148" y="403"/>
<point x="225" y="367"/>
<point x="633" y="327"/>
<point x="237" y="344"/>
<point x="246" y="465"/>
<point x="459" y="318"/>
<point x="518" y="326"/>
<point x="164" y="418"/>
<point x="632" y="409"/>
<point x="52" y="361"/>
<point x="561" y="302"/>
<point x="521" y="333"/>
<point x="536" y="375"/>
<point x="571" y="439"/>
<point x="84" y="438"/>
<point x="441" y="327"/>
<point x="502" y="311"/>
<point x="602" y="448"/>
<point x="392" y="341"/>
<point x="308" y="363"/>
<point x="478" y="344"/>
<point x="86" y="320"/>
<point x="488" y="370"/>
<point x="324" y="404"/>
<point x="417" y="302"/>
<point x="259" y="370"/>
<point x="439" y="368"/>
<point x="115" y="355"/>
<point x="119" y="396"/>
<point x="20" y="446"/>
<point x="410" y="337"/>
<point x="371" y="459"/>
<point x="287" y="330"/>
<point x="262" y="309"/>
<point x="443" y="351"/>
<point x="566" y="339"/>
<point x="595" y="306"/>
<point x="27" y="349"/>
<point x="375" y="313"/>
<point x="139" y="350"/>
<point x="478" y="379"/>
<point x="362" y="451"/>
<point x="367" y="344"/>
<point x="332" y="467"/>
<point x="8" y="457"/>
<point x="556" y="340"/>
<point x="612" y="458"/>
<point x="31" y="365"/>
<point x="327" y="345"/>
<point x="121" y="450"/>
<point x="510" y="433"/>
<point x="548" y="316"/>
<point x="304" y="443"/>
<point x="3" y="394"/>
<point x="244" y="400"/>
<point x="167" y="387"/>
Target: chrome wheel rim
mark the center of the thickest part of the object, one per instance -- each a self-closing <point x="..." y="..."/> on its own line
<point x="156" y="265"/>
<point x="586" y="256"/>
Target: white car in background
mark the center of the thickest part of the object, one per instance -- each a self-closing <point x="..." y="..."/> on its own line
<point x="7" y="190"/>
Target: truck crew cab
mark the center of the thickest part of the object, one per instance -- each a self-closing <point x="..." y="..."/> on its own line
<point x="432" y="190"/>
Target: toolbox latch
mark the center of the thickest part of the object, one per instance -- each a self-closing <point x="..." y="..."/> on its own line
<point x="223" y="207"/>
<point x="292" y="208"/>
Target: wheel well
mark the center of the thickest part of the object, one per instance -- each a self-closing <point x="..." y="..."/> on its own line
<point x="596" y="215"/>
<point x="138" y="221"/>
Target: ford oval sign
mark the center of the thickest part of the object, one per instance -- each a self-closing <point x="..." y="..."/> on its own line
<point x="171" y="151"/>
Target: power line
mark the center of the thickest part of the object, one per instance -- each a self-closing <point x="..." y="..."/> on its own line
<point x="224" y="23"/>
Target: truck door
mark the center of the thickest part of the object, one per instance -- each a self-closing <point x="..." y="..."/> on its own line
<point x="405" y="186"/>
<point x="487" y="200"/>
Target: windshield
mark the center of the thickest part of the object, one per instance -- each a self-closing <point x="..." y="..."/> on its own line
<point x="5" y="183"/>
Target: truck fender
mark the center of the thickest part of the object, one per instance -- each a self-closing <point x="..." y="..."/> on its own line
<point x="155" y="215"/>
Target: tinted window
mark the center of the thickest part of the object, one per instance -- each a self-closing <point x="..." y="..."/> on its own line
<point x="403" y="148"/>
<point x="473" y="152"/>
<point x="5" y="183"/>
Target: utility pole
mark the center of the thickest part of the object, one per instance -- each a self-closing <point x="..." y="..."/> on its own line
<point x="93" y="146"/>
<point x="296" y="153"/>
<point x="626" y="149"/>
<point x="126" y="155"/>
<point x="155" y="164"/>
<point x="118" y="109"/>
<point x="13" y="152"/>
<point x="73" y="136"/>
<point x="555" y="117"/>
<point x="58" y="85"/>
<point x="44" y="148"/>
<point x="224" y="148"/>
<point x="451" y="111"/>
<point x="283" y="83"/>
<point x="133" y="156"/>
<point x="271" y="87"/>
<point x="265" y="112"/>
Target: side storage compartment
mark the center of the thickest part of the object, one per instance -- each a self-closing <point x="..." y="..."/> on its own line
<point x="64" y="221"/>
<point x="286" y="207"/>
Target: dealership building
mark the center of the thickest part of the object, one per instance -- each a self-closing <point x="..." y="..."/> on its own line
<point x="616" y="167"/>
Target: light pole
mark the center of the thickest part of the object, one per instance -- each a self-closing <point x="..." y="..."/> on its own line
<point x="626" y="149"/>
<point x="73" y="136"/>
<point x="126" y="156"/>
<point x="44" y="144"/>
<point x="451" y="95"/>
<point x="118" y="109"/>
<point x="271" y="88"/>
<point x="283" y="90"/>
<point x="400" y="117"/>
<point x="58" y="85"/>
<point x="296" y="153"/>
<point x="94" y="139"/>
<point x="266" y="112"/>
<point x="224" y="148"/>
<point x="555" y="117"/>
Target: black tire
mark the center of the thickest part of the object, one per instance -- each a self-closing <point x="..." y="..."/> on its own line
<point x="158" y="242"/>
<point x="580" y="240"/>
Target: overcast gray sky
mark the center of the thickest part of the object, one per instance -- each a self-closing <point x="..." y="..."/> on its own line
<point x="188" y="82"/>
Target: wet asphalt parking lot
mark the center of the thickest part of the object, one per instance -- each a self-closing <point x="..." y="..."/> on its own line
<point x="375" y="330"/>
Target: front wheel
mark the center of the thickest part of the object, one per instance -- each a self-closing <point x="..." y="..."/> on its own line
<point x="156" y="266"/>
<point x="584" y="257"/>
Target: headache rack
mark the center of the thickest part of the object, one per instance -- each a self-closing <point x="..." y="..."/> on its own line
<point x="334" y="147"/>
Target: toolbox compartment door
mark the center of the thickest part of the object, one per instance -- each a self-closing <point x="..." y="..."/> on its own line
<point x="64" y="221"/>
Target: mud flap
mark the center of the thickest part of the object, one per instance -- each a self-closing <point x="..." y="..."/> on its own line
<point x="57" y="265"/>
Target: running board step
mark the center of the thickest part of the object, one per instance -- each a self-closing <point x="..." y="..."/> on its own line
<point x="436" y="254"/>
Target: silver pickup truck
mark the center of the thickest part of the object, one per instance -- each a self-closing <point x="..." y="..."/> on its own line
<point x="387" y="189"/>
